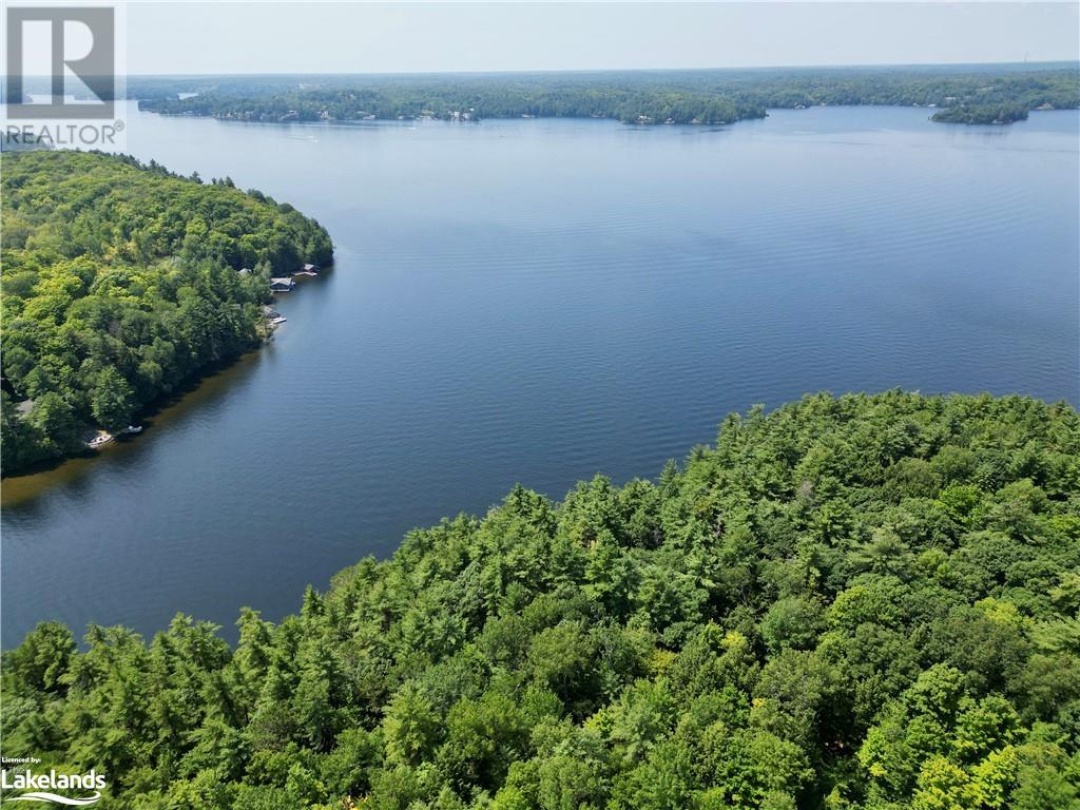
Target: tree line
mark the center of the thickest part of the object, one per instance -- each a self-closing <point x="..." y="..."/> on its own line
<point x="680" y="97"/>
<point x="854" y="602"/>
<point x="981" y="114"/>
<point x="120" y="282"/>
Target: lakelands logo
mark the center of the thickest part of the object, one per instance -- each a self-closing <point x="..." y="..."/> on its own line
<point x="61" y="76"/>
<point x="42" y="787"/>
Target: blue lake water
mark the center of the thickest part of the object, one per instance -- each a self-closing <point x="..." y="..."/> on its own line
<point x="536" y="302"/>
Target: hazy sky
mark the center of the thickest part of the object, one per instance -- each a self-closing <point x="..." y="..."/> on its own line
<point x="345" y="37"/>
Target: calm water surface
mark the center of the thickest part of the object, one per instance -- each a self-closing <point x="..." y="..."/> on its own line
<point x="538" y="301"/>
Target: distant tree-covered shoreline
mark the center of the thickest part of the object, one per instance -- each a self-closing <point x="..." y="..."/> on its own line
<point x="675" y="97"/>
<point x="856" y="602"/>
<point x="981" y="114"/>
<point x="120" y="281"/>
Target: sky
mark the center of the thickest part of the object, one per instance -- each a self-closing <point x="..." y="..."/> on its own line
<point x="407" y="37"/>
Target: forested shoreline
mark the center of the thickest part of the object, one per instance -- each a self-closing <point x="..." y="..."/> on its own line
<point x="981" y="114"/>
<point x="121" y="281"/>
<point x="672" y="97"/>
<point x="863" y="601"/>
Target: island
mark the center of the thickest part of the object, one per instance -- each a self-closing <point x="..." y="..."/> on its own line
<point x="693" y="97"/>
<point x="981" y="114"/>
<point x="848" y="602"/>
<point x="121" y="282"/>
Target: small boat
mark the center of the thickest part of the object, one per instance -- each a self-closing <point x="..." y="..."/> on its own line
<point x="130" y="429"/>
<point x="100" y="440"/>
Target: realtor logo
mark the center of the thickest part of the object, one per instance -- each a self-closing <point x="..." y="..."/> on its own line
<point x="79" y="46"/>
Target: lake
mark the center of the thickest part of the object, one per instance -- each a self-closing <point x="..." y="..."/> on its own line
<point x="538" y="301"/>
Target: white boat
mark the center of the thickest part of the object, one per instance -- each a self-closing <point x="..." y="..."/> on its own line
<point x="100" y="440"/>
<point x="133" y="429"/>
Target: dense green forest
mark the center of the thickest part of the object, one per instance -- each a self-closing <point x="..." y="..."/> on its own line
<point x="657" y="97"/>
<point x="981" y="114"/>
<point x="120" y="281"/>
<point x="864" y="601"/>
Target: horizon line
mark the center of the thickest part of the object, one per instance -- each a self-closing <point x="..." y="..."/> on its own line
<point x="518" y="72"/>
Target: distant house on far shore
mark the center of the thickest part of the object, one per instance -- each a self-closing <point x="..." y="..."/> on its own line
<point x="244" y="271"/>
<point x="281" y="284"/>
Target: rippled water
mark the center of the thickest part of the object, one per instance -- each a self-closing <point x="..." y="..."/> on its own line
<point x="537" y="301"/>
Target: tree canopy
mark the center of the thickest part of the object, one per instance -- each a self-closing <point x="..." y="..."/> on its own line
<point x="120" y="281"/>
<point x="863" y="601"/>
<point x="636" y="97"/>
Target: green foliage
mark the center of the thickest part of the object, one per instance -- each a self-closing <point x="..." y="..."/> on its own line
<point x="982" y="114"/>
<point x="119" y="283"/>
<point x="849" y="602"/>
<point x="994" y="94"/>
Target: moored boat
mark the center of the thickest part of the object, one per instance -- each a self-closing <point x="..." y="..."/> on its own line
<point x="100" y="440"/>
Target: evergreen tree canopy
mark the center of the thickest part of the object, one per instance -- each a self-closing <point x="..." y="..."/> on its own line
<point x="864" y="601"/>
